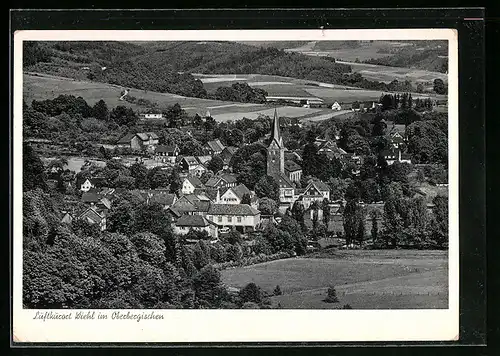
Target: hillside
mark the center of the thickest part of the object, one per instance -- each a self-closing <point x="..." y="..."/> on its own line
<point x="422" y="54"/>
<point x="168" y="67"/>
<point x="431" y="57"/>
<point x="116" y="63"/>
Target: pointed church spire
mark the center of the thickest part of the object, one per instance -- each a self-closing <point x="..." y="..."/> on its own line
<point x="276" y="133"/>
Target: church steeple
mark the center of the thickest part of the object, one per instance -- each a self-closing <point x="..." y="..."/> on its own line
<point x="275" y="130"/>
<point x="276" y="149"/>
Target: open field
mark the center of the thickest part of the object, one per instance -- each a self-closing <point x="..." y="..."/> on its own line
<point x="284" y="86"/>
<point x="364" y="52"/>
<point x="364" y="279"/>
<point x="388" y="74"/>
<point x="42" y="86"/>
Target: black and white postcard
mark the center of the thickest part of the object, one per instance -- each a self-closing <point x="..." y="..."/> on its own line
<point x="235" y="186"/>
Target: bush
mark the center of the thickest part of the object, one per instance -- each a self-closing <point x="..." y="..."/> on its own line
<point x="331" y="296"/>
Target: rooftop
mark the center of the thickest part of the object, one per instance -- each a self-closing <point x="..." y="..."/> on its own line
<point x="232" y="209"/>
<point x="166" y="149"/>
<point x="192" y="221"/>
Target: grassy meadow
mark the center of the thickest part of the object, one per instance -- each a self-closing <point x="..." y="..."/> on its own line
<point x="364" y="279"/>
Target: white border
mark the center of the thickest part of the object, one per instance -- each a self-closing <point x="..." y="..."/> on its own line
<point x="245" y="325"/>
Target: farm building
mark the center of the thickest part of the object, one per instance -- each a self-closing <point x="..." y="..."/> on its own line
<point x="139" y="141"/>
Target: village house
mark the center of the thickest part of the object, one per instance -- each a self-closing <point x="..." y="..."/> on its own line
<point x="234" y="195"/>
<point x="192" y="166"/>
<point x="241" y="217"/>
<point x="166" y="200"/>
<point x="221" y="181"/>
<point x="166" y="154"/>
<point x="226" y="155"/>
<point x="185" y="223"/>
<point x="395" y="155"/>
<point x="336" y="106"/>
<point x="67" y="218"/>
<point x="204" y="159"/>
<point x="96" y="199"/>
<point x="191" y="204"/>
<point x="397" y="140"/>
<point x="189" y="185"/>
<point x="93" y="216"/>
<point x="139" y="141"/>
<point x="293" y="170"/>
<point x="317" y="191"/>
<point x="91" y="183"/>
<point x="152" y="115"/>
<point x="214" y="147"/>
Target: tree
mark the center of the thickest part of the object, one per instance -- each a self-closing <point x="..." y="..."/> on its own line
<point x="361" y="219"/>
<point x="331" y="295"/>
<point x="293" y="228"/>
<point x="33" y="170"/>
<point x="439" y="86"/>
<point x="120" y="217"/>
<point x="325" y="206"/>
<point x="150" y="248"/>
<point x="215" y="164"/>
<point x="140" y="173"/>
<point x="175" y="181"/>
<point x="298" y="212"/>
<point x="208" y="288"/>
<point x="250" y="293"/>
<point x="153" y="218"/>
<point x="267" y="187"/>
<point x="246" y="199"/>
<point x="351" y="217"/>
<point x="268" y="206"/>
<point x="374" y="231"/>
<point x="201" y="257"/>
<point x="158" y="178"/>
<point x="100" y="111"/>
<point x="440" y="221"/>
<point x="123" y="116"/>
<point x="420" y="88"/>
<point x="277" y="291"/>
<point x="105" y="153"/>
<point x="234" y="237"/>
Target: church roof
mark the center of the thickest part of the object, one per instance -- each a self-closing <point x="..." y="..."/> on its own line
<point x="275" y="132"/>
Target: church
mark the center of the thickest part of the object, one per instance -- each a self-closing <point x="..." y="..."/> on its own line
<point x="276" y="165"/>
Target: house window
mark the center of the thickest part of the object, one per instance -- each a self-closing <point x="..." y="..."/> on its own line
<point x="219" y="219"/>
<point x="238" y="219"/>
<point x="229" y="219"/>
